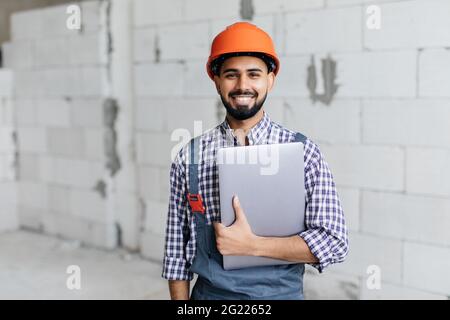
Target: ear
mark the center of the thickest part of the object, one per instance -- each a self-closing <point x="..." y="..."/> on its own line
<point x="270" y="80"/>
<point x="217" y="83"/>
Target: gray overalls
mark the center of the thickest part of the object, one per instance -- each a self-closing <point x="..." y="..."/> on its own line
<point x="213" y="282"/>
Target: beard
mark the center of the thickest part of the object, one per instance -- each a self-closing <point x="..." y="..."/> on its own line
<point x="243" y="112"/>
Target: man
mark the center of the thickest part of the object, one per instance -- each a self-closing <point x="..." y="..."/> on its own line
<point x="243" y="65"/>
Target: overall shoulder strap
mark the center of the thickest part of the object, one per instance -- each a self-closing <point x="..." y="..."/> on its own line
<point x="194" y="198"/>
<point x="193" y="165"/>
<point x="300" y="138"/>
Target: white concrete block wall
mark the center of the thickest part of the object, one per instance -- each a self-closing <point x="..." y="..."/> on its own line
<point x="60" y="90"/>
<point x="8" y="147"/>
<point x="384" y="133"/>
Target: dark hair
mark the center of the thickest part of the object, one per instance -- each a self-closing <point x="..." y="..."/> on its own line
<point x="216" y="64"/>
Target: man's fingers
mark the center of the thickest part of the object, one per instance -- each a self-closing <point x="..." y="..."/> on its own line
<point x="218" y="226"/>
<point x="238" y="209"/>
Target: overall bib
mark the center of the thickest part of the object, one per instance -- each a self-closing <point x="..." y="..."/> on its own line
<point x="255" y="283"/>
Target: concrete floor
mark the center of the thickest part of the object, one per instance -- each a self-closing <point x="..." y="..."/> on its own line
<point x="33" y="266"/>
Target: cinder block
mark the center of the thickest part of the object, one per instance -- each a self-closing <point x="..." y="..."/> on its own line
<point x="163" y="79"/>
<point x="88" y="204"/>
<point x="330" y="286"/>
<point x="156" y="217"/>
<point x="275" y="109"/>
<point x="151" y="114"/>
<point x="54" y="22"/>
<point x="66" y="142"/>
<point x="6" y="82"/>
<point x="92" y="84"/>
<point x="29" y="168"/>
<point x="368" y="250"/>
<point x="415" y="218"/>
<point x="82" y="173"/>
<point x="126" y="177"/>
<point x="339" y="30"/>
<point x="87" y="113"/>
<point x="30" y="218"/>
<point x="427" y="171"/>
<point x="129" y="218"/>
<point x="26" y="24"/>
<point x="53" y="112"/>
<point x="433" y="75"/>
<point x="268" y="7"/>
<point x="58" y="198"/>
<point x="18" y="54"/>
<point x="337" y="123"/>
<point x="192" y="110"/>
<point x="7" y="144"/>
<point x="8" y="219"/>
<point x="350" y="202"/>
<point x="152" y="246"/>
<point x="6" y="112"/>
<point x="25" y="112"/>
<point x="86" y="50"/>
<point x="292" y="79"/>
<point x="364" y="74"/>
<point x="148" y="143"/>
<point x="397" y="292"/>
<point x="28" y="84"/>
<point x="32" y="194"/>
<point x="416" y="116"/>
<point x="47" y="165"/>
<point x="204" y="9"/>
<point x="61" y="82"/>
<point x="197" y="81"/>
<point x="164" y="176"/>
<point x="149" y="182"/>
<point x="265" y="22"/>
<point x="8" y="192"/>
<point x="51" y="52"/>
<point x="32" y="139"/>
<point x="155" y="12"/>
<point x="104" y="235"/>
<point x="94" y="144"/>
<point x="430" y="27"/>
<point x="380" y="168"/>
<point x="49" y="223"/>
<point x="144" y="44"/>
<point x="8" y="168"/>
<point x="91" y="12"/>
<point x="421" y="274"/>
<point x="183" y="41"/>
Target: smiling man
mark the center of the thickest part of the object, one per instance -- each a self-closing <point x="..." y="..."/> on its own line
<point x="243" y="65"/>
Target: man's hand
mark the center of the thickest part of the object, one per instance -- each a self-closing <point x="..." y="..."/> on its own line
<point x="237" y="239"/>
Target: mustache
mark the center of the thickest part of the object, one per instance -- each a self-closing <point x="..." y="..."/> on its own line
<point x="242" y="93"/>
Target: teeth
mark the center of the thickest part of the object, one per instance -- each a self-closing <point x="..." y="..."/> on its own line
<point x="243" y="99"/>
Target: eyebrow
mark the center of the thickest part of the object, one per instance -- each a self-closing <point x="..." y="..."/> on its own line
<point x="236" y="70"/>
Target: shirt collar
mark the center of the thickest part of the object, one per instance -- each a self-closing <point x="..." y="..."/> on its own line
<point x="255" y="134"/>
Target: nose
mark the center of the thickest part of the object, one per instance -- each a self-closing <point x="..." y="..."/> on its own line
<point x="243" y="83"/>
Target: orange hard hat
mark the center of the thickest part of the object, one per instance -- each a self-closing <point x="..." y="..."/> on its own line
<point x="242" y="37"/>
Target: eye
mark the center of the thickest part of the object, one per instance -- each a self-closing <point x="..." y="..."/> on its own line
<point x="230" y="75"/>
<point x="254" y="74"/>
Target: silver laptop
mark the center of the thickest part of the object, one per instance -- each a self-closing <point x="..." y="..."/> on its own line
<point x="269" y="181"/>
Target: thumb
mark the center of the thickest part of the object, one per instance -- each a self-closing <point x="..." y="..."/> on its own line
<point x="238" y="209"/>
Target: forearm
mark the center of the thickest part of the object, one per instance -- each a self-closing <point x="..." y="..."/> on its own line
<point x="179" y="289"/>
<point x="292" y="248"/>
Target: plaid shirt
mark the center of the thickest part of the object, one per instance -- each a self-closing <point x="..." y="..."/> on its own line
<point x="325" y="234"/>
